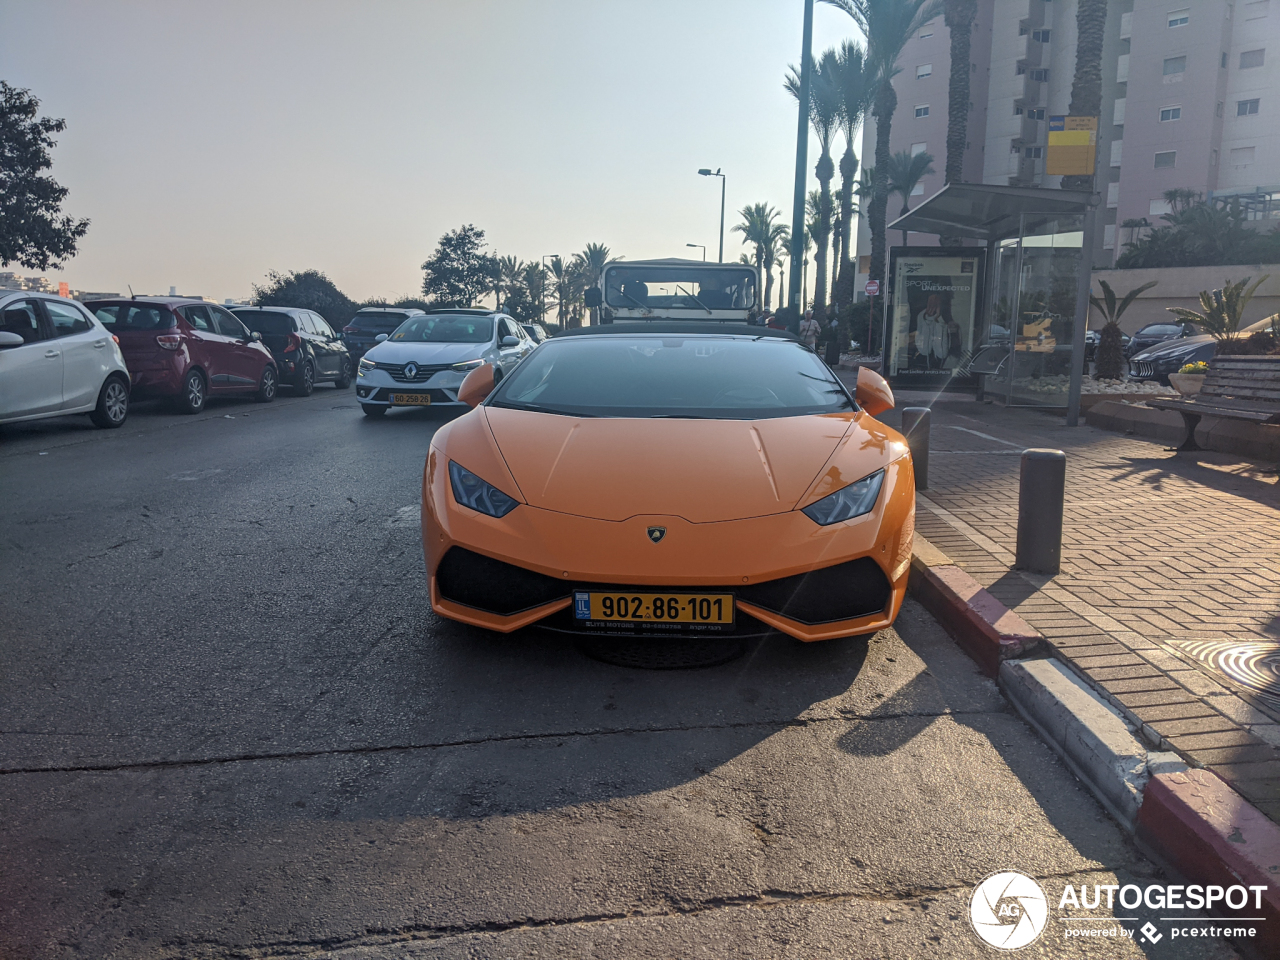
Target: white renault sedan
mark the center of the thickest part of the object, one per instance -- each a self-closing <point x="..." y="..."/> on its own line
<point x="57" y="359"/>
<point x="423" y="362"/>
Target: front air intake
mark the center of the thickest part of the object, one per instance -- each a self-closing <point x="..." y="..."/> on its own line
<point x="846" y="591"/>
<point x="475" y="580"/>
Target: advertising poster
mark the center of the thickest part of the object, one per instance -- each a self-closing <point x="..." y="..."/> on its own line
<point x="936" y="296"/>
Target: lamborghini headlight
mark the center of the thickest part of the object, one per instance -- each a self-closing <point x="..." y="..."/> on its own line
<point x="470" y="491"/>
<point x="847" y="502"/>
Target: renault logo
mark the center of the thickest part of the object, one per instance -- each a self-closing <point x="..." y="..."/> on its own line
<point x="657" y="533"/>
<point x="410" y="370"/>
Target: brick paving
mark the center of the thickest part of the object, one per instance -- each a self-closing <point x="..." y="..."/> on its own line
<point x="1161" y="553"/>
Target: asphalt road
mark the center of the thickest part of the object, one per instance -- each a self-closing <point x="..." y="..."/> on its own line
<point x="231" y="727"/>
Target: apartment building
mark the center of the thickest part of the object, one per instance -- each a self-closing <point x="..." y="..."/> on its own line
<point x="1191" y="99"/>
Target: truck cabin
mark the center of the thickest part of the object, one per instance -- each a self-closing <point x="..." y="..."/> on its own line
<point x="679" y="289"/>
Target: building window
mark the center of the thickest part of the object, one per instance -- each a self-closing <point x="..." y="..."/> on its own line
<point x="1014" y="148"/>
<point x="1034" y="153"/>
<point x="918" y="148"/>
<point x="1252" y="58"/>
<point x="1036" y="114"/>
<point x="1242" y="156"/>
<point x="1179" y="18"/>
<point x="1217" y="111"/>
<point x="1224" y="59"/>
<point x="1174" y="65"/>
<point x="1040" y="36"/>
<point x="922" y="111"/>
<point x="1170" y="113"/>
<point x="924" y="70"/>
<point x="1246" y="108"/>
<point x="1023" y="30"/>
<point x="1040" y="76"/>
<point x="1213" y="158"/>
<point x="1020" y="69"/>
<point x="1256" y="10"/>
<point x="1166" y="158"/>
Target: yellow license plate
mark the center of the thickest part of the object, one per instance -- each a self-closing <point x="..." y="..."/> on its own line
<point x="411" y="399"/>
<point x="654" y="607"/>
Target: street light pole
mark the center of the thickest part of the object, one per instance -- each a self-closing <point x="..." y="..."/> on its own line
<point x="706" y="172"/>
<point x="704" y="249"/>
<point x="802" y="162"/>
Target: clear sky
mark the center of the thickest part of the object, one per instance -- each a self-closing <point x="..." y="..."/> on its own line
<point x="210" y="142"/>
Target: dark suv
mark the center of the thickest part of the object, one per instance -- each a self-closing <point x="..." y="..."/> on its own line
<point x="305" y="348"/>
<point x="362" y="332"/>
<point x="187" y="350"/>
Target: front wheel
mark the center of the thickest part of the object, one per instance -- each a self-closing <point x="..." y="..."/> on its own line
<point x="373" y="410"/>
<point x="113" y="404"/>
<point x="266" y="386"/>
<point x="344" y="374"/>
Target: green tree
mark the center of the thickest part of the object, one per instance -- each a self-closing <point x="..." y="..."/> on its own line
<point x="1086" y="85"/>
<point x="33" y="230"/>
<point x="1196" y="233"/>
<point x="760" y="229"/>
<point x="1109" y="358"/>
<point x="824" y="117"/>
<point x="854" y="87"/>
<point x="307" y="290"/>
<point x="887" y="25"/>
<point x="1223" y="311"/>
<point x="460" y="272"/>
<point x="905" y="172"/>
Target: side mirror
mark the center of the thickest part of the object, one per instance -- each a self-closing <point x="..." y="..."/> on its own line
<point x="382" y="336"/>
<point x="9" y="340"/>
<point x="593" y="297"/>
<point x="873" y="393"/>
<point x="255" y="335"/>
<point x="510" y="341"/>
<point x="479" y="383"/>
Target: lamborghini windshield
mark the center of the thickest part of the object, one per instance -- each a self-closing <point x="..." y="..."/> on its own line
<point x="700" y="377"/>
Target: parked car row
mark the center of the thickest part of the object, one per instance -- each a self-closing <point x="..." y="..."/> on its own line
<point x="1169" y="356"/>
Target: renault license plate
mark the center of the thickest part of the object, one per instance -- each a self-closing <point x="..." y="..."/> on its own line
<point x="411" y="399"/>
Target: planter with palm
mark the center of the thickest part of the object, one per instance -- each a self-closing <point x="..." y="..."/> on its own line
<point x="1109" y="358"/>
<point x="905" y="173"/>
<point x="1223" y="311"/>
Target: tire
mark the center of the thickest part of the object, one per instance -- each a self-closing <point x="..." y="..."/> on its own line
<point x="344" y="375"/>
<point x="194" y="393"/>
<point x="373" y="410"/>
<point x="306" y="381"/>
<point x="267" y="385"/>
<point x="113" y="403"/>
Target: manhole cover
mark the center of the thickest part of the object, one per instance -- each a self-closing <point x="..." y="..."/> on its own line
<point x="1253" y="665"/>
<point x="663" y="654"/>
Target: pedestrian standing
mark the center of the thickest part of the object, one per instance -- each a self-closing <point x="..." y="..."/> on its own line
<point x="809" y="329"/>
<point x="833" y="335"/>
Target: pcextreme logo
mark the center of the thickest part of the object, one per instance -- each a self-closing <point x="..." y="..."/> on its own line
<point x="1009" y="910"/>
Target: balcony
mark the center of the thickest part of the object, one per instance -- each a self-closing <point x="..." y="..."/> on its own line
<point x="1126" y="26"/>
<point x="1028" y="131"/>
<point x="1122" y="68"/>
<point x="1117" y="116"/>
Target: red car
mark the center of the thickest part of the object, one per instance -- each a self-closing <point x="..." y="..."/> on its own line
<point x="188" y="350"/>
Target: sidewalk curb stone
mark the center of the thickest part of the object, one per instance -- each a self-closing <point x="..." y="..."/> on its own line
<point x="1190" y="819"/>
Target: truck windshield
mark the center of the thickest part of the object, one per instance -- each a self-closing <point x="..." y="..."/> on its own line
<point x="695" y="377"/>
<point x="680" y="288"/>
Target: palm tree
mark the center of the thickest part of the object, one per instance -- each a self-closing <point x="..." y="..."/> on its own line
<point x="1223" y="310"/>
<point x="759" y="227"/>
<point x="887" y="25"/>
<point x="779" y="237"/>
<point x="1086" y="85"/>
<point x="905" y="172"/>
<point x="958" y="16"/>
<point x="854" y="89"/>
<point x="590" y="264"/>
<point x="1109" y="358"/>
<point x="510" y="275"/>
<point x="824" y="115"/>
<point x="560" y="274"/>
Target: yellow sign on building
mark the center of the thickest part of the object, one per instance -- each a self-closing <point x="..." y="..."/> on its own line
<point x="1073" y="146"/>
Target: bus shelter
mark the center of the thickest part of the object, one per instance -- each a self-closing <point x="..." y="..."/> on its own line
<point x="1022" y="338"/>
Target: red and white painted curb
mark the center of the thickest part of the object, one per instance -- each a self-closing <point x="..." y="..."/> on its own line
<point x="1189" y="819"/>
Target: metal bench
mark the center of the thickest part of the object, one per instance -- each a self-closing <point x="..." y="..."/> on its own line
<point x="1236" y="388"/>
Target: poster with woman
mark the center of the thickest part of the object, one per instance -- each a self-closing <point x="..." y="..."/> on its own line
<point x="935" y="295"/>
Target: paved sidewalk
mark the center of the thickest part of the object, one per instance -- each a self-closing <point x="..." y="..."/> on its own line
<point x="1169" y="596"/>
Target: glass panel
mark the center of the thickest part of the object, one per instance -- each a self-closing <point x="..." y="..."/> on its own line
<point x="1045" y="316"/>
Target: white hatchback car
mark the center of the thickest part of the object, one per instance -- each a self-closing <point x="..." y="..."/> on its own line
<point x="423" y="362"/>
<point x="57" y="359"/>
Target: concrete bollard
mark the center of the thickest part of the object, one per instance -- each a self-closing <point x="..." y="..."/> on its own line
<point x="1042" y="484"/>
<point x="915" y="427"/>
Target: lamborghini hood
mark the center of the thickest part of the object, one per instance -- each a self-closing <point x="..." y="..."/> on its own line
<point x="701" y="470"/>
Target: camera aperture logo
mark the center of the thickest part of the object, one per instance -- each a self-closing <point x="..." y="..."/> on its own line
<point x="1008" y="910"/>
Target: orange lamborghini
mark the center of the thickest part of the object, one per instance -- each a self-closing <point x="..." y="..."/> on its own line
<point x="670" y="478"/>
